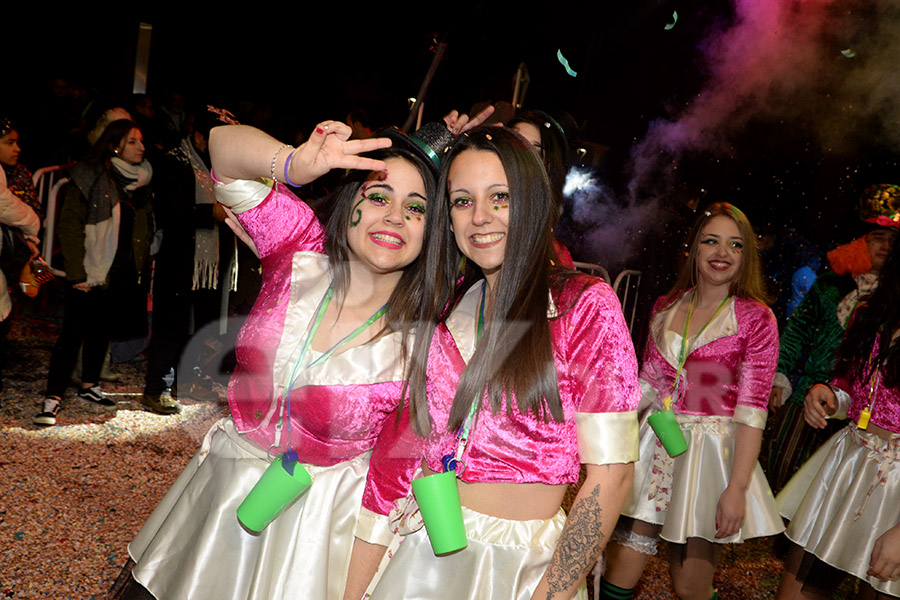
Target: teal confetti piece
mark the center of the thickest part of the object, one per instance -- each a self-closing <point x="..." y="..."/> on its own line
<point x="848" y="53"/>
<point x="565" y="63"/>
<point x="674" y="20"/>
<point x="19" y="535"/>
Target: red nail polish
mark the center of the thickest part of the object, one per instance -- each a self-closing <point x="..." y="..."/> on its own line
<point x="319" y="130"/>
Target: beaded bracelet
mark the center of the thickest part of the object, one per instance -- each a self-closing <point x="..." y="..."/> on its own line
<point x="275" y="159"/>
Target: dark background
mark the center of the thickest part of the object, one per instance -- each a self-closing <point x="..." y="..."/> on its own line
<point x="796" y="156"/>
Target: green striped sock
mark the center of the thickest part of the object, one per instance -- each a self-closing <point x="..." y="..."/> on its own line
<point x="609" y="591"/>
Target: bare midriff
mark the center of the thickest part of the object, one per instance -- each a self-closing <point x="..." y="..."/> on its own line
<point x="514" y="501"/>
<point x="872" y="428"/>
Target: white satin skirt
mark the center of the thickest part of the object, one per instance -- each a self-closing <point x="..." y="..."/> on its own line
<point x="193" y="546"/>
<point x="505" y="560"/>
<point x="682" y="494"/>
<point x="853" y="498"/>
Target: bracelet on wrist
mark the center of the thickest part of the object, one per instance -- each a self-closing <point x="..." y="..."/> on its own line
<point x="275" y="160"/>
<point x="287" y="165"/>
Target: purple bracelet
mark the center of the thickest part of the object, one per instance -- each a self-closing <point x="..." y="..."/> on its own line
<point x="287" y="163"/>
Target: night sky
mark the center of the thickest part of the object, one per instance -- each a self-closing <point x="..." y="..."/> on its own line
<point x="786" y="108"/>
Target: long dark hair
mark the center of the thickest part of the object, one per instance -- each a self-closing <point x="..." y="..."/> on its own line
<point x="879" y="314"/>
<point x="554" y="149"/>
<point x="111" y="138"/>
<point x="506" y="360"/>
<point x="749" y="281"/>
<point x="406" y="300"/>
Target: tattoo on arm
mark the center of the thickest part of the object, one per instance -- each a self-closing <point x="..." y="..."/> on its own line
<point x="579" y="546"/>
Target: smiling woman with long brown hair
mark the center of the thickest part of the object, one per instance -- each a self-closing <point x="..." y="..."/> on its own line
<point x="529" y="374"/>
<point x="710" y="358"/>
<point x="320" y="366"/>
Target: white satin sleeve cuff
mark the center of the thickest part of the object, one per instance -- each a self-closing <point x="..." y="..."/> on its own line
<point x="649" y="397"/>
<point x="243" y="194"/>
<point x="607" y="438"/>
<point x="374" y="528"/>
<point x="781" y="381"/>
<point x="749" y="416"/>
<point x="843" y="403"/>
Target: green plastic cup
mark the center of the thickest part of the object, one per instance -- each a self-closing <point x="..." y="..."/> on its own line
<point x="438" y="499"/>
<point x="274" y="491"/>
<point x="666" y="428"/>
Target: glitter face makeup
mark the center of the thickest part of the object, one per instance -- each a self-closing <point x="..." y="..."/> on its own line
<point x="386" y="231"/>
<point x="479" y="208"/>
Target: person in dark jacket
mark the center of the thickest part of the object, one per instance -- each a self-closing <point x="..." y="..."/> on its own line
<point x="187" y="284"/>
<point x="105" y="229"/>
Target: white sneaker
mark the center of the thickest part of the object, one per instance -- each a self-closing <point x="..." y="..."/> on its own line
<point x="48" y="416"/>
<point x="93" y="394"/>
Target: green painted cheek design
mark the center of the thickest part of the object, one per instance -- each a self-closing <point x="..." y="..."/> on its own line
<point x="408" y="218"/>
<point x="496" y="208"/>
<point x="355" y="221"/>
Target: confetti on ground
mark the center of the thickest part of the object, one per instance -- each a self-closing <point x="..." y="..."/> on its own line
<point x="564" y="62"/>
<point x="76" y="494"/>
<point x="674" y="20"/>
<point x="849" y="53"/>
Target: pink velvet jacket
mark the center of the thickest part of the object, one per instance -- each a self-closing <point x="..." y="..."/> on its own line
<point x="340" y="405"/>
<point x="885" y="401"/>
<point x="596" y="370"/>
<point x="731" y="368"/>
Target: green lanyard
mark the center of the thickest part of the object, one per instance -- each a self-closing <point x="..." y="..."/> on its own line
<point x="320" y="314"/>
<point x="682" y="353"/>
<point x="452" y="462"/>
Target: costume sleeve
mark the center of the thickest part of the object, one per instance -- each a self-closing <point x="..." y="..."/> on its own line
<point x="843" y="403"/>
<point x="603" y="378"/>
<point x="14" y="212"/>
<point x="275" y="218"/>
<point x="70" y="228"/>
<point x="654" y="374"/>
<point x="841" y="386"/>
<point x="757" y="368"/>
<point x="396" y="457"/>
<point x="649" y="397"/>
<point x="798" y="335"/>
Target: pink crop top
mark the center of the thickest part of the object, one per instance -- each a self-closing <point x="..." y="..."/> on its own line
<point x="597" y="375"/>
